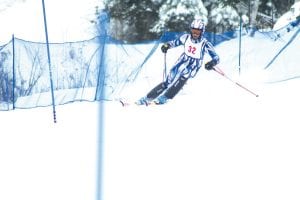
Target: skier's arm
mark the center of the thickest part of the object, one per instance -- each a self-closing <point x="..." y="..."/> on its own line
<point x="179" y="41"/>
<point x="214" y="57"/>
<point x="174" y="43"/>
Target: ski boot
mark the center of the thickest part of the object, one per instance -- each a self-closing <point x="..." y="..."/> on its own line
<point x="143" y="101"/>
<point x="161" y="100"/>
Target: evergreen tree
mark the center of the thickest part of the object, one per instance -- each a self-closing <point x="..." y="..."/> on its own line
<point x="176" y="15"/>
<point x="261" y="14"/>
<point x="221" y="17"/>
<point x="131" y="20"/>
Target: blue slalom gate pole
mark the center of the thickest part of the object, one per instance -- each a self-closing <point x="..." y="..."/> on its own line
<point x="240" y="44"/>
<point x="49" y="63"/>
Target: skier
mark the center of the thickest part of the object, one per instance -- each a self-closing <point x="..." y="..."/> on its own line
<point x="187" y="66"/>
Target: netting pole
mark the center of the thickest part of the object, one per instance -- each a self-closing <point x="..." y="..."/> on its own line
<point x="49" y="62"/>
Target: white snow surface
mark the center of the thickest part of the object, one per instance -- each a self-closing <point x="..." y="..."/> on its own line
<point x="213" y="141"/>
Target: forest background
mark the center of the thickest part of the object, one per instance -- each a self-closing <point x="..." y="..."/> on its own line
<point x="134" y="21"/>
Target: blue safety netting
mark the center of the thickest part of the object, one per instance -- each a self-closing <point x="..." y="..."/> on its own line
<point x="25" y="74"/>
<point x="80" y="71"/>
<point x="90" y="70"/>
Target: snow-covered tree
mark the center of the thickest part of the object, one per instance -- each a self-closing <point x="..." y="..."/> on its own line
<point x="260" y="14"/>
<point x="131" y="20"/>
<point x="134" y="21"/>
<point x="176" y="15"/>
<point x="221" y="17"/>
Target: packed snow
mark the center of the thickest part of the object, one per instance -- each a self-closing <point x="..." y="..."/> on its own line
<point x="215" y="140"/>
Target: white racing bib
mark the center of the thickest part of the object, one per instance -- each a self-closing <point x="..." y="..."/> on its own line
<point x="193" y="49"/>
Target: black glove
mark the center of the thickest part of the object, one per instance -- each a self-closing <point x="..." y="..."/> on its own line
<point x="165" y="47"/>
<point x="210" y="65"/>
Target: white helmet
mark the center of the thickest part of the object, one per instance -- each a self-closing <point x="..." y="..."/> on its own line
<point x="198" y="24"/>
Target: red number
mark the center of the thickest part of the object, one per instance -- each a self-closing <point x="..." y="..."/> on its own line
<point x="192" y="49"/>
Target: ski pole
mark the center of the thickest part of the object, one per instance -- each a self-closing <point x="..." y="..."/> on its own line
<point x="165" y="67"/>
<point x="218" y="70"/>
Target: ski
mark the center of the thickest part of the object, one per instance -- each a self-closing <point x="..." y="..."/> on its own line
<point x="125" y="103"/>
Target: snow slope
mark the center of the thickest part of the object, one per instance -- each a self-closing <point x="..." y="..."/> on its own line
<point x="214" y="141"/>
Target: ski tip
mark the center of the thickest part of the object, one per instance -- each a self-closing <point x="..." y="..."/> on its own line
<point x="122" y="103"/>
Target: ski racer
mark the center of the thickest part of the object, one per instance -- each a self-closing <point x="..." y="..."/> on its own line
<point x="187" y="65"/>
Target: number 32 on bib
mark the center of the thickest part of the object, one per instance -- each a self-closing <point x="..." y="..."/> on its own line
<point x="193" y="50"/>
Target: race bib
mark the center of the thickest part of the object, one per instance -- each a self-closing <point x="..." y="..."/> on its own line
<point x="193" y="49"/>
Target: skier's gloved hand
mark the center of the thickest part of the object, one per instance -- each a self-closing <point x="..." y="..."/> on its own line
<point x="165" y="47"/>
<point x="210" y="65"/>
